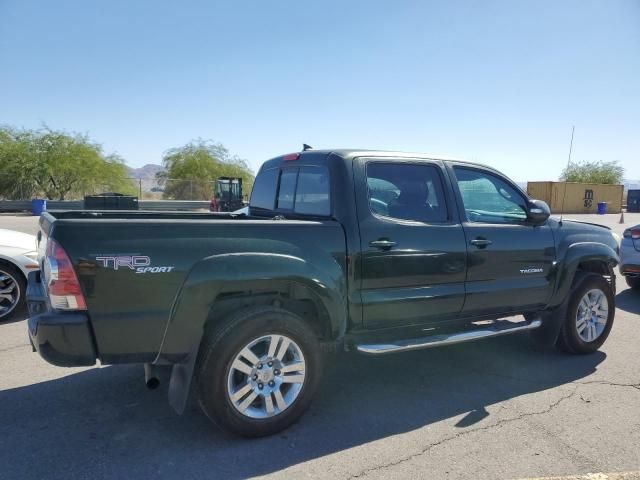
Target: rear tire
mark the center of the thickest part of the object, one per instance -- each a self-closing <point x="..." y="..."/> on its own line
<point x="589" y="317"/>
<point x="236" y="358"/>
<point x="13" y="283"/>
<point x="633" y="282"/>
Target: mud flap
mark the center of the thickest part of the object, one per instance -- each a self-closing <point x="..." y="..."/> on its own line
<point x="180" y="382"/>
<point x="546" y="335"/>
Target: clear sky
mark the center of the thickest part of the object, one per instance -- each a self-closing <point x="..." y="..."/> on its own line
<point x="499" y="82"/>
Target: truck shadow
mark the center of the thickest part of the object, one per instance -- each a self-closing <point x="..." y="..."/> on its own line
<point x="102" y="423"/>
<point x="18" y="316"/>
<point x="629" y="301"/>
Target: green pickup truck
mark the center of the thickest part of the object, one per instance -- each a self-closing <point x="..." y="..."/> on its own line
<point x="368" y="251"/>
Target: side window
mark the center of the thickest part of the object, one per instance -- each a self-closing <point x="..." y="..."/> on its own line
<point x="489" y="199"/>
<point x="406" y="191"/>
<point x="287" y="188"/>
<point x="263" y="194"/>
<point x="312" y="193"/>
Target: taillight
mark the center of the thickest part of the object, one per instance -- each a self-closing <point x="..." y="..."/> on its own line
<point x="62" y="282"/>
<point x="290" y="156"/>
<point x="633" y="233"/>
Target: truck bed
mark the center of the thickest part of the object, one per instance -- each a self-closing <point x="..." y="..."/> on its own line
<point x="132" y="264"/>
<point x="139" y="214"/>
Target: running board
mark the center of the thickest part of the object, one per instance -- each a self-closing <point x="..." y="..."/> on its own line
<point x="445" y="339"/>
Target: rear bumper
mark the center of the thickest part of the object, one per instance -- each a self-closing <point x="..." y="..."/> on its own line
<point x="61" y="338"/>
<point x="630" y="270"/>
<point x="629" y="258"/>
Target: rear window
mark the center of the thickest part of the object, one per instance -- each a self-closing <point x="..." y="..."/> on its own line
<point x="287" y="189"/>
<point x="302" y="190"/>
<point x="263" y="194"/>
<point x="312" y="194"/>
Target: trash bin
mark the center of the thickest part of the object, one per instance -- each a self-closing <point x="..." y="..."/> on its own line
<point x="38" y="205"/>
<point x="602" y="208"/>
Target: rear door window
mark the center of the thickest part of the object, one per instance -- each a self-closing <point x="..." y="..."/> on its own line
<point x="406" y="191"/>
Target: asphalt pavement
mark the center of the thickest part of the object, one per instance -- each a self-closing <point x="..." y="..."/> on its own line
<point x="492" y="409"/>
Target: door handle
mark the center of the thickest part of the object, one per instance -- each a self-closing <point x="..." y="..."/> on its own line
<point x="480" y="242"/>
<point x="382" y="244"/>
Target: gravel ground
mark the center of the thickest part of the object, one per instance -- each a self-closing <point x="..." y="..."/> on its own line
<point x="492" y="409"/>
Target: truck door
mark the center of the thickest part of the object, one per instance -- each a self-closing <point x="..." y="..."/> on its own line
<point x="509" y="261"/>
<point x="413" y="253"/>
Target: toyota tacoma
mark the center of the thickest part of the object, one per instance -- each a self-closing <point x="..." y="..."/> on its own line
<point x="372" y="252"/>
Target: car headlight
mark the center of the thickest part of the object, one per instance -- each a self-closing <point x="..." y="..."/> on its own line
<point x="31" y="255"/>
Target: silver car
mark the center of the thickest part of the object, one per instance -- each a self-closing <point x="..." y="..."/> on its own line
<point x="630" y="256"/>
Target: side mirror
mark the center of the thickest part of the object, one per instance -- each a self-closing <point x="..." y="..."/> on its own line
<point x="538" y="212"/>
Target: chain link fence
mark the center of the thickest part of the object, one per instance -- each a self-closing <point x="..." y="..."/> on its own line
<point x="173" y="189"/>
<point x="143" y="188"/>
<point x="10" y="190"/>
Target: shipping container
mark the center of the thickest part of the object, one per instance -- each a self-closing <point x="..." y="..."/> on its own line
<point x="579" y="197"/>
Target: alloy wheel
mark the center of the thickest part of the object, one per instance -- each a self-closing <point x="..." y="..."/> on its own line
<point x="9" y="293"/>
<point x="266" y="376"/>
<point x="592" y="315"/>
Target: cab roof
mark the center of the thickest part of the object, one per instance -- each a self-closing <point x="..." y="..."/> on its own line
<point x="315" y="156"/>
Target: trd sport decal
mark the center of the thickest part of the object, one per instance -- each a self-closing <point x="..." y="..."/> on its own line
<point x="138" y="263"/>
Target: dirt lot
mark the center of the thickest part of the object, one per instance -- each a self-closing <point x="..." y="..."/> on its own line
<point x="494" y="409"/>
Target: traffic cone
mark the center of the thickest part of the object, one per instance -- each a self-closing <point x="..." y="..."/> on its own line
<point x="621" y="216"/>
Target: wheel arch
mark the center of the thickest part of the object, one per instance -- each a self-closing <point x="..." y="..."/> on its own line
<point x="10" y="261"/>
<point x="220" y="284"/>
<point x="293" y="295"/>
<point x="582" y="259"/>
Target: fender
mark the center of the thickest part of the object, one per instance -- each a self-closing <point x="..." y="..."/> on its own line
<point x="575" y="254"/>
<point x="245" y="271"/>
<point x="12" y="261"/>
<point x="240" y="272"/>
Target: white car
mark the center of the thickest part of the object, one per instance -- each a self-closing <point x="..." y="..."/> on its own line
<point x="17" y="258"/>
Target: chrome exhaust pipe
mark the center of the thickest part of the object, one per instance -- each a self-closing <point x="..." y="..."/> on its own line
<point x="151" y="379"/>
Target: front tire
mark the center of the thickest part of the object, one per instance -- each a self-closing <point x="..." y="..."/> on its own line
<point x="257" y="373"/>
<point x="633" y="282"/>
<point x="13" y="288"/>
<point x="589" y="318"/>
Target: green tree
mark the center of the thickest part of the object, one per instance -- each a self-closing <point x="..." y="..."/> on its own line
<point x="593" y="172"/>
<point x="190" y="170"/>
<point x="57" y="165"/>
